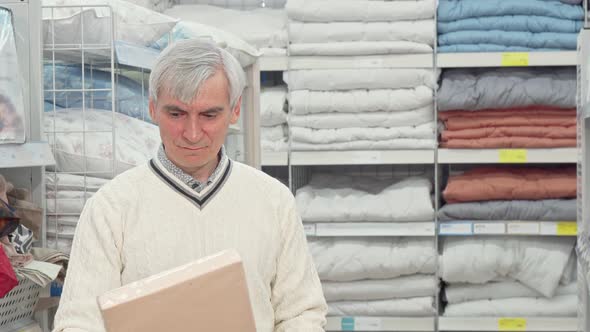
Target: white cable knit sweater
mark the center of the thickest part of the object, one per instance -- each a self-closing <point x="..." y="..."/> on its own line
<point x="146" y="221"/>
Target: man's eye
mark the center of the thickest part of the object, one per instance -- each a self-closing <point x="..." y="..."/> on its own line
<point x="174" y="114"/>
<point x="209" y="115"/>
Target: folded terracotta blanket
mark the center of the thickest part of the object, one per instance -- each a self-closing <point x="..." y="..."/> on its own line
<point x="507" y="183"/>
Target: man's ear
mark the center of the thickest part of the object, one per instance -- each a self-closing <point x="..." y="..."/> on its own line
<point x="235" y="113"/>
<point x="152" y="108"/>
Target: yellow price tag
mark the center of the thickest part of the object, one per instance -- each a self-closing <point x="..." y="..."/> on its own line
<point x="567" y="228"/>
<point x="512" y="155"/>
<point x="515" y="59"/>
<point x="511" y="324"/>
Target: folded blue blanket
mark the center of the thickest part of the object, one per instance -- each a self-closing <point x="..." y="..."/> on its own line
<point x="129" y="98"/>
<point x="549" y="40"/>
<point x="452" y="10"/>
<point x="474" y="48"/>
<point x="513" y="23"/>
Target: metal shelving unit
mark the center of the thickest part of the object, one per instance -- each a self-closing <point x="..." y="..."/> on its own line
<point x="517" y="156"/>
<point x="370" y="229"/>
<point x="583" y="180"/>
<point x="537" y="228"/>
<point x="381" y="324"/>
<point x="501" y="59"/>
<point x="507" y="324"/>
<point x="23" y="164"/>
<point x="374" y="157"/>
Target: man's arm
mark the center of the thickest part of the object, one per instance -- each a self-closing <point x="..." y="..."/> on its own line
<point x="297" y="295"/>
<point x="95" y="267"/>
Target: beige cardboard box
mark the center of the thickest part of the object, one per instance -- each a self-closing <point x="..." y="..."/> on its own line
<point x="207" y="295"/>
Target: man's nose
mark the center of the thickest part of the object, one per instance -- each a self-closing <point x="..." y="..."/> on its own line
<point x="192" y="130"/>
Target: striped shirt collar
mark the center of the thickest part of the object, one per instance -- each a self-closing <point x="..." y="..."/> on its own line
<point x="179" y="175"/>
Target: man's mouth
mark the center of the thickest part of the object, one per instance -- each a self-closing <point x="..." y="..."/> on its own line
<point x="193" y="148"/>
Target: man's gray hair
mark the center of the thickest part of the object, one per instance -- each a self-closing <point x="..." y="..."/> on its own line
<point x="181" y="69"/>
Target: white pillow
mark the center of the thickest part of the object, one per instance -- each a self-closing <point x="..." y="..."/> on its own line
<point x="136" y="141"/>
<point x="133" y="24"/>
<point x="241" y="50"/>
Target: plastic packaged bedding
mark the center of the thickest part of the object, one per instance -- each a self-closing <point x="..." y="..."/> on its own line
<point x="12" y="113"/>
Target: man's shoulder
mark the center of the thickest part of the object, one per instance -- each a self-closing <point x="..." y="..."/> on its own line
<point x="125" y="183"/>
<point x="254" y="178"/>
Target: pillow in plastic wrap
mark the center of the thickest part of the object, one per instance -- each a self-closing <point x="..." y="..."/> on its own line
<point x="83" y="141"/>
<point x="134" y="24"/>
<point x="245" y="53"/>
<point x="12" y="113"/>
<point x="130" y="99"/>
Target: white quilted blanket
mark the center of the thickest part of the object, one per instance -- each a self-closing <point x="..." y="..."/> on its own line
<point x="361" y="145"/>
<point x="272" y="106"/>
<point x="360" y="48"/>
<point x="382" y="289"/>
<point x="336" y="135"/>
<point x="274" y="133"/>
<point x="364" y="120"/>
<point x="456" y="293"/>
<point x="359" y="10"/>
<point x="359" y="101"/>
<point x="378" y="258"/>
<point x="349" y="79"/>
<point x="413" y="307"/>
<point x="419" y="31"/>
<point x="559" y="306"/>
<point x="340" y="198"/>
<point x="536" y="262"/>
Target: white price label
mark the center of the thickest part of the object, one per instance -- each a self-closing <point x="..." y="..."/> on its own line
<point x="366" y="157"/>
<point x="455" y="229"/>
<point x="367" y="324"/>
<point x="523" y="228"/>
<point x="489" y="228"/>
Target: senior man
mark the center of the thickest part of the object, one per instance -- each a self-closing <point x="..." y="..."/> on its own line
<point x="191" y="201"/>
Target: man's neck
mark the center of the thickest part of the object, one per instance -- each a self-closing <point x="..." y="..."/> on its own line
<point x="203" y="173"/>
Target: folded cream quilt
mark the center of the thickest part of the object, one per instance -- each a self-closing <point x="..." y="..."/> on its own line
<point x="392" y="144"/>
<point x="273" y="146"/>
<point x="364" y="120"/>
<point x="359" y="10"/>
<point x="457" y="293"/>
<point x="511" y="117"/>
<point x="272" y="106"/>
<point x="419" y="31"/>
<point x="350" y="259"/>
<point x="360" y="48"/>
<point x="361" y="100"/>
<point x="349" y="79"/>
<point x="541" y="210"/>
<point x="536" y="263"/>
<point x="413" y="307"/>
<point x="340" y="198"/>
<point x="558" y="306"/>
<point x="326" y="136"/>
<point x="382" y="289"/>
<point x="66" y="202"/>
<point x="483" y="88"/>
<point x="503" y="183"/>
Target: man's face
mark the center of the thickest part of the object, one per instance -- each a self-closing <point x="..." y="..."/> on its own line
<point x="194" y="133"/>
